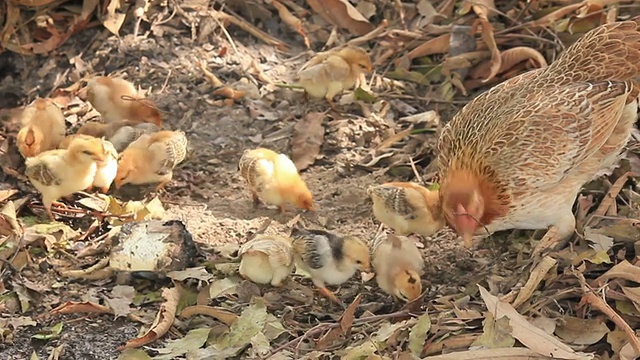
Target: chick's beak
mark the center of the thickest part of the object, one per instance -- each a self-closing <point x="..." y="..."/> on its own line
<point x="467" y="238"/>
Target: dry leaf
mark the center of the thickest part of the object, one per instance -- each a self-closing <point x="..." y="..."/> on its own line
<point x="490" y="41"/>
<point x="341" y="13"/>
<point x="294" y="22"/>
<point x="496" y="333"/>
<point x="581" y="331"/>
<point x="308" y="137"/>
<point x="510" y="58"/>
<point x="162" y="323"/>
<point x="529" y="335"/>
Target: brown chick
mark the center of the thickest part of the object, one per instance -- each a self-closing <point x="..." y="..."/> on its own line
<point x="98" y="129"/>
<point x="267" y="259"/>
<point x="398" y="265"/>
<point x="127" y="134"/>
<point x="407" y="208"/>
<point x="517" y="155"/>
<point x="60" y="173"/>
<point x="151" y="159"/>
<point x="328" y="73"/>
<point x="328" y="258"/>
<point x="274" y="178"/>
<point x="117" y="99"/>
<point x="43" y="128"/>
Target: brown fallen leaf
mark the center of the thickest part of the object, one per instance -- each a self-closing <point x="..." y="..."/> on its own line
<point x="578" y="331"/>
<point x="72" y="307"/>
<point x="535" y="278"/>
<point x="490" y="41"/>
<point x="294" y="22"/>
<point x="223" y="316"/>
<point x="341" y="13"/>
<point x="342" y="331"/>
<point x="162" y="323"/>
<point x="528" y="334"/>
<point x="308" y="136"/>
<point x="490" y="354"/>
<point x="623" y="270"/>
<point x="437" y="45"/>
<point x="510" y="58"/>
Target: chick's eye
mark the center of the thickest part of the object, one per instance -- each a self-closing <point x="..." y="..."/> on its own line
<point x="87" y="152"/>
<point x="358" y="262"/>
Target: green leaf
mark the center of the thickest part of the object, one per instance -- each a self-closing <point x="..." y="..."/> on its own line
<point x="418" y="334"/>
<point x="49" y="333"/>
<point x="194" y="340"/>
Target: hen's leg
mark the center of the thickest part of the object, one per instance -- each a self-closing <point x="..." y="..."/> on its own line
<point x="557" y="234"/>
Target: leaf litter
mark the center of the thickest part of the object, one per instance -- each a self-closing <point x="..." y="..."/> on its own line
<point x="580" y="301"/>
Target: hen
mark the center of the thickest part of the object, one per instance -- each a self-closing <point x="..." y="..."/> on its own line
<point x="517" y="155"/>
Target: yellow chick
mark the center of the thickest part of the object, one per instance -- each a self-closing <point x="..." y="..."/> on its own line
<point x="43" y="128"/>
<point x="407" y="208"/>
<point x="328" y="73"/>
<point x="274" y="178"/>
<point x="62" y="172"/>
<point x="117" y="99"/>
<point x="398" y="265"/>
<point x="127" y="134"/>
<point x="107" y="169"/>
<point x="266" y="259"/>
<point x="328" y="258"/>
<point x="151" y="159"/>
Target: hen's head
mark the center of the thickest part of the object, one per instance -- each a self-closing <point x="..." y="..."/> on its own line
<point x="463" y="204"/>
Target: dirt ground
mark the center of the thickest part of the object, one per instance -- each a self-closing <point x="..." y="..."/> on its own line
<point x="207" y="192"/>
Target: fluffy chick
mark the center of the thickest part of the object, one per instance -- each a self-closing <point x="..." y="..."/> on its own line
<point x="328" y="73"/>
<point x="107" y="169"/>
<point x="128" y="134"/>
<point x="274" y="178"/>
<point x="328" y="258"/>
<point x="98" y="129"/>
<point x="407" y="208"/>
<point x="266" y="259"/>
<point x="151" y="159"/>
<point x="106" y="95"/>
<point x="43" y="128"/>
<point x="62" y="172"/>
<point x="398" y="265"/>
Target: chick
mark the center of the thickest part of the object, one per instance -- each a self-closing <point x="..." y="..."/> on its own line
<point x="398" y="265"/>
<point x="274" y="178"/>
<point x="98" y="129"/>
<point x="62" y="172"/>
<point x="151" y="159"/>
<point x="328" y="258"/>
<point x="107" y="169"/>
<point x="127" y="134"/>
<point x="329" y="73"/>
<point x="117" y="99"/>
<point x="407" y="208"/>
<point x="267" y="259"/>
<point x="43" y="128"/>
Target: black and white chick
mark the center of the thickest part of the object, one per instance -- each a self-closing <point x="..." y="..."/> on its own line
<point x="328" y="258"/>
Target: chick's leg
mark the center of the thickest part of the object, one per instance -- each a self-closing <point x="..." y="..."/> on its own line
<point x="256" y="199"/>
<point x="329" y="294"/>
<point x="104" y="189"/>
<point x="89" y="189"/>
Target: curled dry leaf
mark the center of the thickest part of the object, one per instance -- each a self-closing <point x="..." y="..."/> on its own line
<point x="341" y="13"/>
<point x="223" y="316"/>
<point x="162" y="323"/>
<point x="510" y="58"/>
<point x="490" y="41"/>
<point x="437" y="45"/>
<point x="72" y="307"/>
<point x="308" y="136"/>
<point x="342" y="331"/>
<point x="293" y="21"/>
